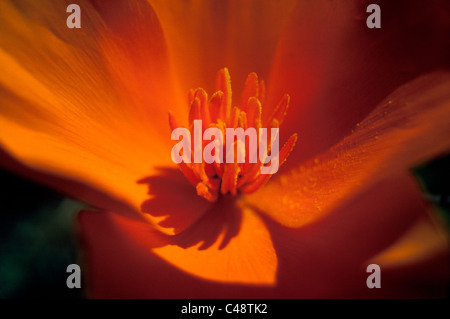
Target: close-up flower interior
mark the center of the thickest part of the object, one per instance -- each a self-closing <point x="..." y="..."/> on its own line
<point x="117" y="153"/>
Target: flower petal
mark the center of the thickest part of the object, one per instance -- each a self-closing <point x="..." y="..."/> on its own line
<point x="205" y="36"/>
<point x="85" y="104"/>
<point x="337" y="70"/>
<point x="228" y="244"/>
<point x="333" y="253"/>
<point x="327" y="259"/>
<point x="422" y="241"/>
<point x="409" y="127"/>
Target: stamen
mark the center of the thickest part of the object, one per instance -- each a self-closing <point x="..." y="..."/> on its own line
<point x="204" y="191"/>
<point x="219" y="178"/>
<point x="262" y="91"/>
<point x="194" y="112"/>
<point x="251" y="89"/>
<point x="214" y="106"/>
<point x="204" y="109"/>
<point x="263" y="179"/>
<point x="189" y="173"/>
<point x="229" y="178"/>
<point x="224" y="85"/>
<point x="234" y="118"/>
<point x="172" y="122"/>
<point x="280" y="111"/>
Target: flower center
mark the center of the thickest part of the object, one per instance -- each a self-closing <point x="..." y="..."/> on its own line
<point x="242" y="170"/>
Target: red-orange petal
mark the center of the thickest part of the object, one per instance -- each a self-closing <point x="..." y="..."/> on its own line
<point x="409" y="127"/>
<point x="332" y="262"/>
<point x="85" y="104"/>
<point x="337" y="70"/>
<point x="211" y="249"/>
<point x="242" y="36"/>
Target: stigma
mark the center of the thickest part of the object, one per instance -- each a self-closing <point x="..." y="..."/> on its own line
<point x="229" y="151"/>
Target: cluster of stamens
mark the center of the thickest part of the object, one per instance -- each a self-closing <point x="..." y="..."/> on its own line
<point x="213" y="179"/>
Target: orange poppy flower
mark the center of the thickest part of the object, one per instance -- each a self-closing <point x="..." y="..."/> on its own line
<point x="85" y="111"/>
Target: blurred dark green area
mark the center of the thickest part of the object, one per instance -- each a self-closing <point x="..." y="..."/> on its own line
<point x="434" y="177"/>
<point x="38" y="236"/>
<point x="37" y="240"/>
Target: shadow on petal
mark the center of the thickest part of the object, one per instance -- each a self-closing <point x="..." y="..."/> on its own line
<point x="325" y="259"/>
<point x="223" y="217"/>
<point x="185" y="217"/>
